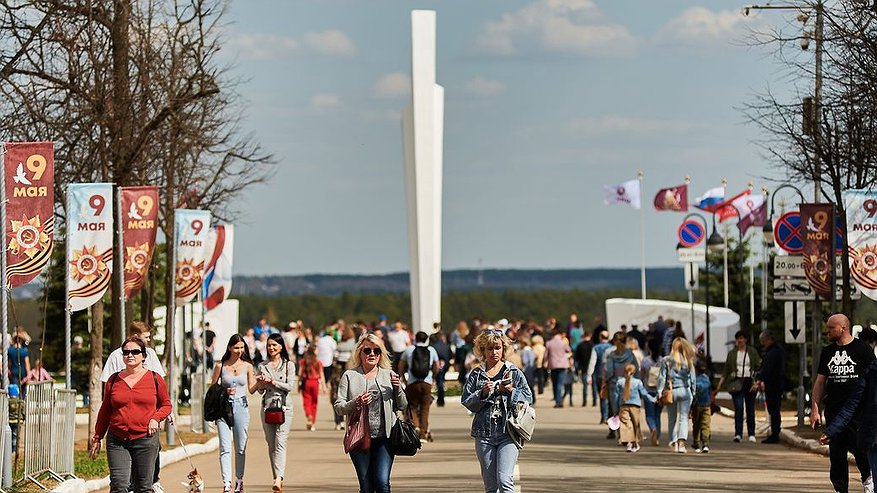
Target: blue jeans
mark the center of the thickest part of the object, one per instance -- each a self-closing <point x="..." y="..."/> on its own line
<point x="653" y="414"/>
<point x="557" y="378"/>
<point x="677" y="414"/>
<point x="744" y="399"/>
<point x="239" y="433"/>
<point x="498" y="456"/>
<point x="373" y="467"/>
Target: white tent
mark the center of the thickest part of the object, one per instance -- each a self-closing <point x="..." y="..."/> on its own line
<point x="723" y="322"/>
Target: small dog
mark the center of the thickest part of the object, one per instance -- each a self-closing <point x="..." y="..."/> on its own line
<point x="196" y="482"/>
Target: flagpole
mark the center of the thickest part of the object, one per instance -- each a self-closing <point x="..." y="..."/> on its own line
<point x="4" y="289"/>
<point x="642" y="236"/>
<point x="67" y="321"/>
<point x="120" y="263"/>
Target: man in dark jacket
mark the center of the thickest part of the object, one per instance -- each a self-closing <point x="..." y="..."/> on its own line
<point x="862" y="404"/>
<point x="582" y="358"/>
<point x="439" y="342"/>
<point x="771" y="379"/>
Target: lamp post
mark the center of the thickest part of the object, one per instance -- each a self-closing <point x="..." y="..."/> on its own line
<point x="767" y="230"/>
<point x="717" y="243"/>
<point x="706" y="259"/>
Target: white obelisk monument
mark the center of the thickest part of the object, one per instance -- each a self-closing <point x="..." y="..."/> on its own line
<point x="422" y="129"/>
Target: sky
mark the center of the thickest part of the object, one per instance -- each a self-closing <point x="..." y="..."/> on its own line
<point x="546" y="101"/>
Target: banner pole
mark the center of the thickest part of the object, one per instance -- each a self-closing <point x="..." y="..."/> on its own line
<point x="4" y="299"/>
<point x="203" y="351"/>
<point x="642" y="236"/>
<point x="120" y="263"/>
<point x="67" y="316"/>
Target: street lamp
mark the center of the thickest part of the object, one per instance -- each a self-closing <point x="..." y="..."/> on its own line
<point x="706" y="258"/>
<point x="802" y="352"/>
<point x="717" y="243"/>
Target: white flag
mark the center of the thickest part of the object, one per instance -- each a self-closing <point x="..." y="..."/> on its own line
<point x="626" y="193"/>
<point x="89" y="243"/>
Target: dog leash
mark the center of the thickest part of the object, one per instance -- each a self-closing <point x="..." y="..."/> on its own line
<point x="180" y="438"/>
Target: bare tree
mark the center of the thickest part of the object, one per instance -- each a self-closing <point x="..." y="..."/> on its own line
<point x="830" y="140"/>
<point x="132" y="93"/>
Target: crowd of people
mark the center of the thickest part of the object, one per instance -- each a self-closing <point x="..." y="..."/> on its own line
<point x="385" y="371"/>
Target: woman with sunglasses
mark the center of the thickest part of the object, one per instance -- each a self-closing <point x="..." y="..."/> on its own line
<point x="135" y="402"/>
<point x="236" y="372"/>
<point x="370" y="382"/>
<point x="491" y="390"/>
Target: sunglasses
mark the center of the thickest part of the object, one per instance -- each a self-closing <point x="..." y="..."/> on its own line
<point x="368" y="351"/>
<point x="128" y="352"/>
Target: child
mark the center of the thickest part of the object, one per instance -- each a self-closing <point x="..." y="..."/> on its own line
<point x="629" y="395"/>
<point x="702" y="394"/>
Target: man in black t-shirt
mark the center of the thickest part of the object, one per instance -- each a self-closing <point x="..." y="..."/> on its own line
<point x="841" y="364"/>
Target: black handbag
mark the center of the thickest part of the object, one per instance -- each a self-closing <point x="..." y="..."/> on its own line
<point x="404" y="439"/>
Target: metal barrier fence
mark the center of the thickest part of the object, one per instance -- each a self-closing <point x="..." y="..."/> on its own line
<point x="6" y="455"/>
<point x="196" y="401"/>
<point x="37" y="436"/>
<point x="64" y="427"/>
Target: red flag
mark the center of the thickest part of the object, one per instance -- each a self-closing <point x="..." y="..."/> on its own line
<point x="139" y="221"/>
<point x="817" y="243"/>
<point x="29" y="171"/>
<point x="672" y="199"/>
<point x="725" y="213"/>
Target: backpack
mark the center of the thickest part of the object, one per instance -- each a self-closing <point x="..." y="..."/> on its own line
<point x="420" y="360"/>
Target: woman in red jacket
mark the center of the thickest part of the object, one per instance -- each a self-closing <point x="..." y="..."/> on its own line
<point x="135" y="402"/>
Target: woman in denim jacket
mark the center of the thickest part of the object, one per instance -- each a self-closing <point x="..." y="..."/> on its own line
<point x="678" y="368"/>
<point x="490" y="392"/>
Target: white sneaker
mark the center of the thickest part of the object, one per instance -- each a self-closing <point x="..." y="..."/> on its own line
<point x="681" y="449"/>
<point x="738" y="439"/>
<point x="630" y="447"/>
<point x="697" y="450"/>
<point x="705" y="449"/>
<point x="157" y="487"/>
<point x="868" y="484"/>
<point x="751" y="439"/>
<point x="635" y="448"/>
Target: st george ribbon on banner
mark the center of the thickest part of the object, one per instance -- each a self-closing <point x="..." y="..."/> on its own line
<point x="627" y="193"/>
<point x="672" y="199"/>
<point x="29" y="174"/>
<point x="861" y="209"/>
<point x="89" y="243"/>
<point x="139" y="223"/>
<point x="815" y="229"/>
<point x="191" y="227"/>
<point x="217" y="280"/>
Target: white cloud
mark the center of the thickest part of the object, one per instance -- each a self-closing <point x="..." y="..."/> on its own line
<point x="271" y="47"/>
<point x="482" y="86"/>
<point x="572" y="27"/>
<point x="700" y="26"/>
<point x="393" y="85"/>
<point x="325" y="101"/>
<point x="331" y="42"/>
<point x="622" y="125"/>
<point x="264" y="46"/>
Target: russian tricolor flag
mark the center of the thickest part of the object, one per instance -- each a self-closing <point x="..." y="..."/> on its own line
<point x="711" y="199"/>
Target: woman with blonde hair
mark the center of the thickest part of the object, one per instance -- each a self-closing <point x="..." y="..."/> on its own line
<point x="370" y="382"/>
<point x="492" y="390"/>
<point x="677" y="372"/>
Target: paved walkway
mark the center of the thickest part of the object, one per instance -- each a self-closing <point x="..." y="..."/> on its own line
<point x="569" y="453"/>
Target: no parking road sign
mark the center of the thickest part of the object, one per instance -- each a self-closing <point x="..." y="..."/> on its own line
<point x="690" y="233"/>
<point x="786" y="233"/>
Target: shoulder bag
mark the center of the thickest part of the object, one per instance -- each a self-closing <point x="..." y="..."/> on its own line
<point x="667" y="393"/>
<point x="357" y="437"/>
<point x="274" y="414"/>
<point x="404" y="439"/>
<point x="522" y="421"/>
<point x="736" y="385"/>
